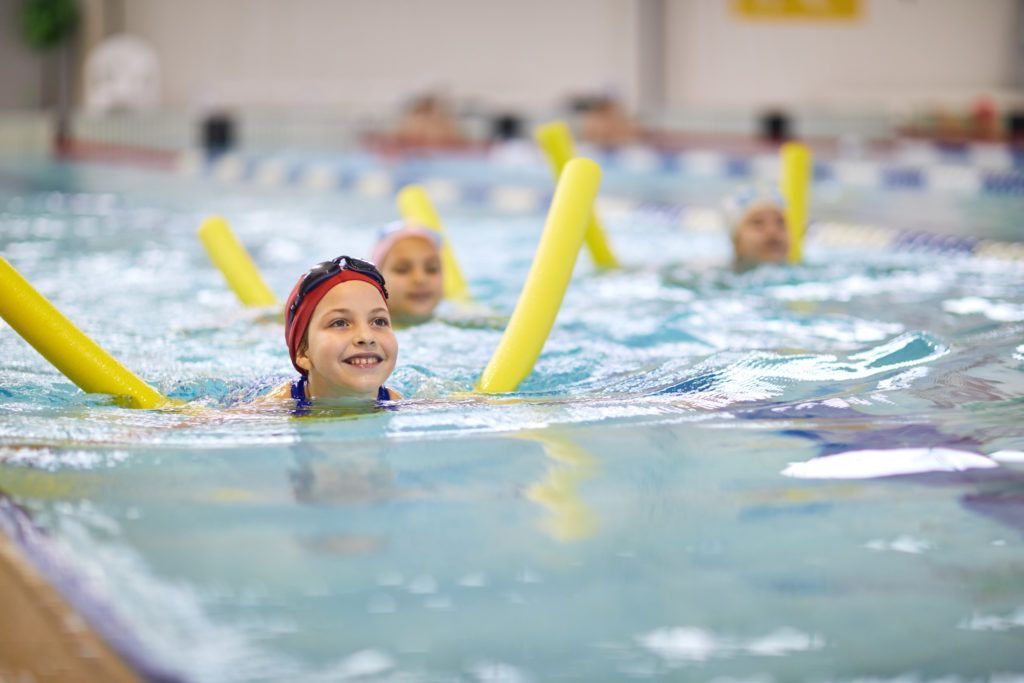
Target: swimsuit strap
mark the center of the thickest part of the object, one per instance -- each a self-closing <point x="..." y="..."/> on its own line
<point x="299" y="392"/>
<point x="303" y="404"/>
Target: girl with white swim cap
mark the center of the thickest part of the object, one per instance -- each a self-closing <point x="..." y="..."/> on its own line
<point x="757" y="223"/>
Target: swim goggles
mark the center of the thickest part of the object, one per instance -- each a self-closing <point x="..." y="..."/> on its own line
<point x="325" y="270"/>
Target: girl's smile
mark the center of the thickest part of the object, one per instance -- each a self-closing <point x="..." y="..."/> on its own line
<point x="365" y="360"/>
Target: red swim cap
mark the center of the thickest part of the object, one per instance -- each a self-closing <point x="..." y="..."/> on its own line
<point x="295" y="328"/>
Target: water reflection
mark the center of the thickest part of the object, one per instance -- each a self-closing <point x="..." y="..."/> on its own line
<point x="349" y="474"/>
<point x="568" y="518"/>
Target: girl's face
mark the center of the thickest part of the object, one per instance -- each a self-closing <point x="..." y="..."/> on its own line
<point x="761" y="236"/>
<point x="412" y="270"/>
<point x="351" y="349"/>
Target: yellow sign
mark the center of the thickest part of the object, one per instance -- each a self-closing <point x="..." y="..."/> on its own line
<point x="827" y="10"/>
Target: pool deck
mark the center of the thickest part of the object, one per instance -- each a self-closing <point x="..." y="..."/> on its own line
<point x="41" y="637"/>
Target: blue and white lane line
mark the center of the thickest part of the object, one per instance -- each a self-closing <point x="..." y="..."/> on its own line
<point x="983" y="157"/>
<point x="380" y="183"/>
<point x="271" y="171"/>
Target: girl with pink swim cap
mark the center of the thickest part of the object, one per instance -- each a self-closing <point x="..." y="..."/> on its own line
<point x="409" y="257"/>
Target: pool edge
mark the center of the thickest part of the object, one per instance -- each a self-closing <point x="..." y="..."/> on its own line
<point x="43" y="634"/>
<point x="64" y="632"/>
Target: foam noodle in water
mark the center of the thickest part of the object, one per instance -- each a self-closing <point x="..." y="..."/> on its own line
<point x="796" y="187"/>
<point x="231" y="257"/>
<point x="556" y="141"/>
<point x="81" y="359"/>
<point x="541" y="297"/>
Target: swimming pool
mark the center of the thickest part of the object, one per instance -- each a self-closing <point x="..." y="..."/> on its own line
<point x="657" y="502"/>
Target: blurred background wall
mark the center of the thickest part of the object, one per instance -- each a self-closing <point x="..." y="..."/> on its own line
<point x="898" y="51"/>
<point x="315" y="52"/>
<point x="21" y="70"/>
<point x="530" y="53"/>
<point x="28" y="88"/>
<point x="678" y="64"/>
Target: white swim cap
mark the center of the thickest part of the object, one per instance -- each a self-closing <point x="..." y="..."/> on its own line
<point x="736" y="205"/>
<point x="392" y="233"/>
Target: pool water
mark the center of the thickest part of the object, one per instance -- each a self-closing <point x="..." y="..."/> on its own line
<point x="809" y="473"/>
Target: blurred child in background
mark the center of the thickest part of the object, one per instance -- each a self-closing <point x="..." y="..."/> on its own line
<point x="428" y="123"/>
<point x="409" y="257"/>
<point x="756" y="220"/>
<point x="606" y="123"/>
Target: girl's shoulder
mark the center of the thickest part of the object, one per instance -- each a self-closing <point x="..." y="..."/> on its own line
<point x="286" y="391"/>
<point x="283" y="391"/>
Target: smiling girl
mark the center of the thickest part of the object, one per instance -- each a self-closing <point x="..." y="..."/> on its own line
<point x="339" y="336"/>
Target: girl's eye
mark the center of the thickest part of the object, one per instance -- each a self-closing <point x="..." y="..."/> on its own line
<point x="340" y="322"/>
<point x="381" y="322"/>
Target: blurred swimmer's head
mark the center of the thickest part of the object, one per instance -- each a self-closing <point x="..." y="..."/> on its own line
<point x="756" y="217"/>
<point x="409" y="256"/>
<point x="338" y="329"/>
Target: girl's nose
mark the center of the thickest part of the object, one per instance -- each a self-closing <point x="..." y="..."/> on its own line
<point x="364" y="335"/>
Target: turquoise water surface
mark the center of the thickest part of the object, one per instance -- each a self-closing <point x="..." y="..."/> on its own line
<point x="808" y="473"/>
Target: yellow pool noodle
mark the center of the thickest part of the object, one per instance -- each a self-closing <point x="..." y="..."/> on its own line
<point x="795" y="186"/>
<point x="556" y="141"/>
<point x="415" y="206"/>
<point x="81" y="359"/>
<point x="545" y="286"/>
<point x="232" y="259"/>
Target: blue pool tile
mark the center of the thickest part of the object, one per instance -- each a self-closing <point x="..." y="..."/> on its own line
<point x="902" y="178"/>
<point x="998" y="182"/>
<point x="737" y="167"/>
<point x="823" y="172"/>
